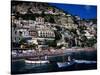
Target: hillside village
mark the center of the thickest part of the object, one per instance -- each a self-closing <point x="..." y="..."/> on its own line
<point x="39" y="25"/>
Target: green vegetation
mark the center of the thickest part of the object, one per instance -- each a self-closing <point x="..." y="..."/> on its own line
<point x="33" y="46"/>
<point x="51" y="43"/>
<point x="22" y="41"/>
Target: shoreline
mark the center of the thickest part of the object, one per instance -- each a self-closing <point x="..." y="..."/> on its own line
<point x="53" y="53"/>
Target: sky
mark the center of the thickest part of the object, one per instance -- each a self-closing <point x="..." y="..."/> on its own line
<point x="84" y="11"/>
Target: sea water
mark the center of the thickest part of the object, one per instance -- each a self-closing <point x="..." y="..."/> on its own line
<point x="20" y="67"/>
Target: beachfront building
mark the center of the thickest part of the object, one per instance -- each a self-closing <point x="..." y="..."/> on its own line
<point x="45" y="35"/>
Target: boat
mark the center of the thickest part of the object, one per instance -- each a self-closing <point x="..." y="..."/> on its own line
<point x="36" y="61"/>
<point x="70" y="62"/>
<point x="85" y="62"/>
<point x="29" y="64"/>
<point x="66" y="63"/>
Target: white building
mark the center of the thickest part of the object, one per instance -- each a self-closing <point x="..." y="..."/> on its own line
<point x="46" y="33"/>
<point x="39" y="20"/>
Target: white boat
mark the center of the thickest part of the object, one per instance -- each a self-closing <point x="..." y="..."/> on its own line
<point x="36" y="62"/>
<point x="64" y="64"/>
<point x="67" y="63"/>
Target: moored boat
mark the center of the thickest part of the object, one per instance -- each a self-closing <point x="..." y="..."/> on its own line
<point x="65" y="63"/>
<point x="36" y="61"/>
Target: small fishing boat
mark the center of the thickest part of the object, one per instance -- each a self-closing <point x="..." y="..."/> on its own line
<point x="65" y="63"/>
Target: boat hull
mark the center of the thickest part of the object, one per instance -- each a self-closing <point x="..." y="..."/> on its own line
<point x="36" y="62"/>
<point x="64" y="64"/>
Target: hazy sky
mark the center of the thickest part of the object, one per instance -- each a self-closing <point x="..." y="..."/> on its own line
<point x="84" y="11"/>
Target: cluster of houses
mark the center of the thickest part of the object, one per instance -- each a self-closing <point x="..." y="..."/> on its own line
<point x="39" y="31"/>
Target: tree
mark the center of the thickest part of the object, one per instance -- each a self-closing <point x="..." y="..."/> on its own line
<point x="51" y="43"/>
<point x="22" y="41"/>
<point x="51" y="20"/>
<point x="91" y="42"/>
<point x="43" y="14"/>
<point x="33" y="46"/>
<point x="57" y="35"/>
